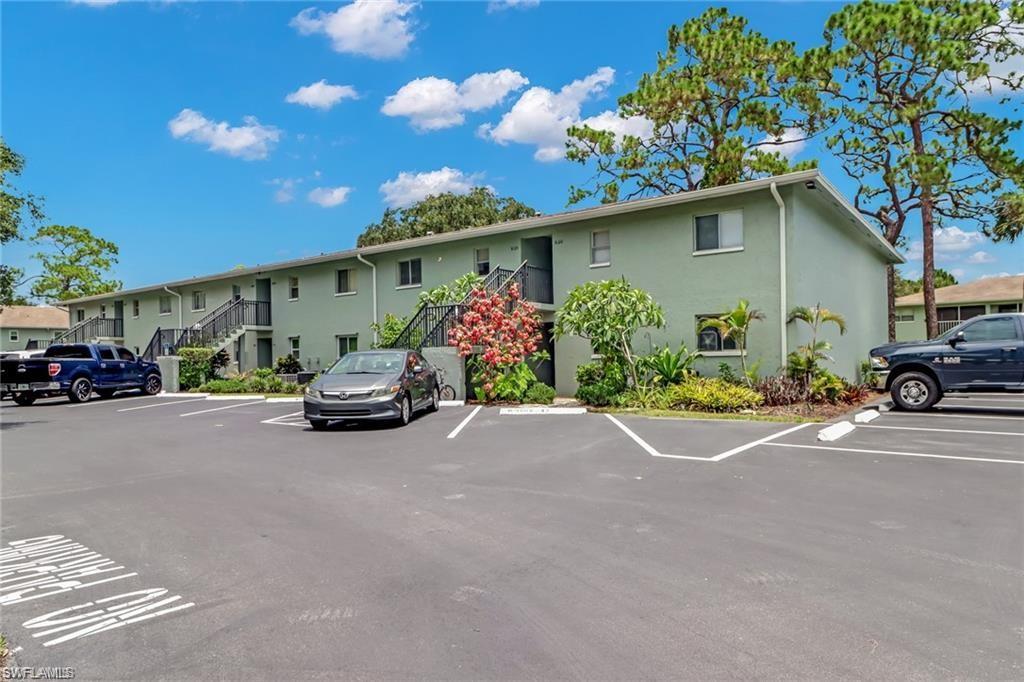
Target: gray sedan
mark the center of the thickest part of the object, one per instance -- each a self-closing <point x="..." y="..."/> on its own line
<point x="372" y="384"/>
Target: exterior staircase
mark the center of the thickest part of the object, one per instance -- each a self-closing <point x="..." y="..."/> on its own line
<point x="93" y="330"/>
<point x="218" y="330"/>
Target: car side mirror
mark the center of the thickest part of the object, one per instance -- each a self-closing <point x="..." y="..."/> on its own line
<point x="417" y="369"/>
<point x="956" y="338"/>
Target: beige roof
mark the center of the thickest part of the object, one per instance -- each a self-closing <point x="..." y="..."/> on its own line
<point x="33" y="317"/>
<point x="986" y="290"/>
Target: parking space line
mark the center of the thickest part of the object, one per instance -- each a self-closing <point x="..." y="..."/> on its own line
<point x="943" y="414"/>
<point x="895" y="452"/>
<point x="160" y="404"/>
<point x="925" y="428"/>
<point x="106" y="401"/>
<point x="218" y="409"/>
<point x="717" y="458"/>
<point x="465" y="421"/>
<point x="277" y="420"/>
<point x="979" y="398"/>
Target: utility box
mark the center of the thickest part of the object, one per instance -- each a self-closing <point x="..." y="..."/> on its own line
<point x="169" y="372"/>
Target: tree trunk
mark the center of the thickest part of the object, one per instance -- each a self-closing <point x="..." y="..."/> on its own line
<point x="890" y="286"/>
<point x="927" y="237"/>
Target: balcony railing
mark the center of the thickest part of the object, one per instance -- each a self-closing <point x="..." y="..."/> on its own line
<point x="537" y="285"/>
<point x="219" y="324"/>
<point x="946" y="325"/>
<point x="93" y="328"/>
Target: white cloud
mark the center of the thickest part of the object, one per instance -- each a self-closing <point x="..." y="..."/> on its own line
<point x="950" y="243"/>
<point x="408" y="188"/>
<point x="249" y="141"/>
<point x="434" y="103"/>
<point x="500" y="5"/>
<point x="95" y="3"/>
<point x="381" y="29"/>
<point x="285" y="191"/>
<point x="980" y="257"/>
<point x="791" y="143"/>
<point x="321" y="95"/>
<point x="958" y="273"/>
<point x="638" y="126"/>
<point x="540" y="117"/>
<point x="1001" y="274"/>
<point x="329" y="197"/>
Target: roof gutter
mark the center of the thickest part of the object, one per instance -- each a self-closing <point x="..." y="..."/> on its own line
<point x="782" y="273"/>
<point x="181" y="320"/>
<point x="359" y="257"/>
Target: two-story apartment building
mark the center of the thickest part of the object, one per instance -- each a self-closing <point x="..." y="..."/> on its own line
<point x="778" y="242"/>
<point x="957" y="303"/>
<point x="30" y="326"/>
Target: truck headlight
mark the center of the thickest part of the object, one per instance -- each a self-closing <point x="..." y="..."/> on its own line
<point x="879" y="362"/>
<point x="386" y="390"/>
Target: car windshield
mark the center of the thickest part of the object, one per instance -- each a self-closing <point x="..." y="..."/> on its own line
<point x="386" y="362"/>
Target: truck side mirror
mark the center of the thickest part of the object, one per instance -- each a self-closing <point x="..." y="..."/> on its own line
<point x="956" y="338"/>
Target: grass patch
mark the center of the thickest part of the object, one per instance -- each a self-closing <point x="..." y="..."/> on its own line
<point x="727" y="416"/>
<point x="4" y="651"/>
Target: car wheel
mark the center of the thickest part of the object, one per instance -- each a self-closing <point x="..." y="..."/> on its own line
<point x="318" y="424"/>
<point x="24" y="399"/>
<point x="153" y="385"/>
<point x="81" y="390"/>
<point x="435" y="400"/>
<point x="914" y="392"/>
<point x="406" y="413"/>
<point x="105" y="393"/>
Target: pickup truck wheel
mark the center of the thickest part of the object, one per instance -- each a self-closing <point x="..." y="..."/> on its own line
<point x="81" y="390"/>
<point x="153" y="385"/>
<point x="914" y="391"/>
<point x="24" y="399"/>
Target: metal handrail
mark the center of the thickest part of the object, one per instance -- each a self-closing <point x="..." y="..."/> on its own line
<point x="94" y="327"/>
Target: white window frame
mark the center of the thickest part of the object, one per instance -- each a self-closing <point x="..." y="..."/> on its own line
<point x="398" y="273"/>
<point x="600" y="264"/>
<point x="13" y="336"/>
<point x="295" y="347"/>
<point x="350" y="338"/>
<point x="203" y="294"/>
<point x="353" y="288"/>
<point x="477" y="262"/>
<point x="720" y="249"/>
<point x="80" y="315"/>
<point x="295" y="287"/>
<point x="160" y="305"/>
<point x="723" y="351"/>
<point x="136" y="306"/>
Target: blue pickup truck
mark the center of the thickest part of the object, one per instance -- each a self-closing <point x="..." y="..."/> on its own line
<point x="77" y="370"/>
<point x="985" y="353"/>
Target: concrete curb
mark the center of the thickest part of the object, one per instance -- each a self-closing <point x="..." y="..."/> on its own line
<point x="452" y="403"/>
<point x="179" y="394"/>
<point x="543" y="410"/>
<point x="835" y="431"/>
<point x="255" y="396"/>
<point x="287" y="399"/>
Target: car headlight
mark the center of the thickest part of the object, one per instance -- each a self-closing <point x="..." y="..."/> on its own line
<point x="386" y="390"/>
<point x="312" y="392"/>
<point x="879" y="362"/>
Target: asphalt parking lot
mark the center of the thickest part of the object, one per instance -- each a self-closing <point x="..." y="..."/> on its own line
<point x="181" y="537"/>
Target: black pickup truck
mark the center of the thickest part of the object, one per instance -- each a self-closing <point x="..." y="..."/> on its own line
<point x="985" y="353"/>
<point x="76" y="370"/>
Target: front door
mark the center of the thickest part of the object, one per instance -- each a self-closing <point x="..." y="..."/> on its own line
<point x="991" y="352"/>
<point x="545" y="370"/>
<point x="265" y="352"/>
<point x="118" y="310"/>
<point x="263" y="305"/>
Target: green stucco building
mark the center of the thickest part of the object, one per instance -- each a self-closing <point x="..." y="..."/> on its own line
<point x="957" y="303"/>
<point x="778" y="242"/>
<point x="29" y="326"/>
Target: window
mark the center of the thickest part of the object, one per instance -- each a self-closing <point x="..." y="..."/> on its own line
<point x="991" y="329"/>
<point x="165" y="305"/>
<point x="345" y="282"/>
<point x="293" y="347"/>
<point x="125" y="354"/>
<point x="718" y="232"/>
<point x="905" y="317"/>
<point x="969" y="311"/>
<point x="76" y="351"/>
<point x="1008" y="308"/>
<point x="710" y="339"/>
<point x="198" y="301"/>
<point x="600" y="248"/>
<point x="293" y="288"/>
<point x="107" y="353"/>
<point x="347" y="344"/>
<point x="103" y="311"/>
<point x="135" y="308"/>
<point x="410" y="273"/>
<point x="482" y="259"/>
<point x="950" y="314"/>
<point x="80" y="315"/>
<point x="14" y="335"/>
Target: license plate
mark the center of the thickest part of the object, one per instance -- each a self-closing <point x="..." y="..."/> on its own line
<point x="21" y="387"/>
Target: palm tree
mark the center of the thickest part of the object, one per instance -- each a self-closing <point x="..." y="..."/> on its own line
<point x="810" y="354"/>
<point x="735" y="325"/>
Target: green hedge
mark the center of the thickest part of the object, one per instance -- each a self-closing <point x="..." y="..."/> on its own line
<point x="713" y="395"/>
<point x="196" y="367"/>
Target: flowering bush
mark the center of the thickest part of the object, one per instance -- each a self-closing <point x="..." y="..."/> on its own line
<point x="505" y="329"/>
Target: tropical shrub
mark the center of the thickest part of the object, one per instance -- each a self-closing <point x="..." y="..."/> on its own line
<point x="261" y="380"/>
<point x="807" y="359"/>
<point x="647" y="398"/>
<point x="506" y="328"/>
<point x="782" y="390"/>
<point x="388" y="329"/>
<point x="224" y="386"/>
<point x="609" y="314"/>
<point x="195" y="368"/>
<point x="287" y="364"/>
<point x="539" y="393"/>
<point x="735" y="325"/>
<point x="667" y="367"/>
<point x="511" y="385"/>
<point x="827" y="387"/>
<point x="713" y="395"/>
<point x="452" y="292"/>
<point x="600" y="384"/>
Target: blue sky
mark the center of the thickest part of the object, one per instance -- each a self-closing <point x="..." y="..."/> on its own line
<point x="198" y="136"/>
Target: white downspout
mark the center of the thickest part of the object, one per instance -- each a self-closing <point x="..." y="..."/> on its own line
<point x="783" y="343"/>
<point x="181" y="319"/>
<point x="373" y="267"/>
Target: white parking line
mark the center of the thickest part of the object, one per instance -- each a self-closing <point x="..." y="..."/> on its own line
<point x="291" y="415"/>
<point x="465" y="421"/>
<point x="945" y="414"/>
<point x="106" y="401"/>
<point x="218" y="409"/>
<point x="894" y="452"/>
<point x="160" y="404"/>
<point x="979" y="398"/>
<point x="925" y="428"/>
<point x="717" y="458"/>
